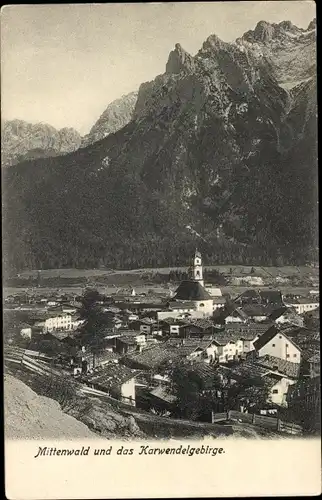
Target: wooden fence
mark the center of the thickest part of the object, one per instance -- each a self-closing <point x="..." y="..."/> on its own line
<point x="260" y="420"/>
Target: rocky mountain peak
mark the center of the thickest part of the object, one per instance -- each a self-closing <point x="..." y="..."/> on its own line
<point x="263" y="32"/>
<point x="179" y="60"/>
<point x="213" y="42"/>
<point x="117" y="114"/>
<point x="312" y="25"/>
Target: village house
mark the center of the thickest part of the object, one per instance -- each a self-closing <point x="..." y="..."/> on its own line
<point x="286" y="315"/>
<point x="248" y="297"/>
<point x="257" y="312"/>
<point x="225" y="348"/>
<point x="171" y="326"/>
<point x="247" y="334"/>
<point x="276" y="343"/>
<point x="196" y="327"/>
<point x="116" y="380"/>
<point x="237" y="315"/>
<point x="178" y="310"/>
<point x="85" y="361"/>
<point x="191" y="349"/>
<point x="130" y="340"/>
<point x="302" y="304"/>
<point x="49" y="323"/>
<point x="152" y="358"/>
<point x="218" y="303"/>
<point x="276" y="383"/>
<point x="159" y="400"/>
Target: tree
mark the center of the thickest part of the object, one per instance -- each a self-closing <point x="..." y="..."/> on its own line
<point x="249" y="392"/>
<point x="194" y="395"/>
<point x="93" y="330"/>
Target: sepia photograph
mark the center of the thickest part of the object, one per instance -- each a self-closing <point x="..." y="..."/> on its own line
<point x="160" y="234"/>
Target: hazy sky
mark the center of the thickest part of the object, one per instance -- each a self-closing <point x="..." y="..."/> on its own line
<point x="63" y="64"/>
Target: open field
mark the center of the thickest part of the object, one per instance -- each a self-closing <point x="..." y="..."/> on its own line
<point x="301" y="271"/>
<point x="233" y="291"/>
<point x="110" y="281"/>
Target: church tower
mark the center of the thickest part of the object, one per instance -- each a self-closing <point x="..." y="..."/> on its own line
<point x="195" y="271"/>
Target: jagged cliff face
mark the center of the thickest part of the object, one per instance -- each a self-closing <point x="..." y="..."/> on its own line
<point x="289" y="51"/>
<point x="117" y="114"/>
<point x="21" y="140"/>
<point x="217" y="146"/>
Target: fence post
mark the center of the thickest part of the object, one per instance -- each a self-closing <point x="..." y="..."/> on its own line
<point x="278" y="424"/>
<point x="253" y="418"/>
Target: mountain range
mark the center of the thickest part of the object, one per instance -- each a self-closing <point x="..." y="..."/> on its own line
<point x="219" y="151"/>
<point x="21" y="141"/>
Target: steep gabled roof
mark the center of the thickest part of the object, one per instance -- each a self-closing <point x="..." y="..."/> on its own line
<point x="271" y="296"/>
<point x="269" y="335"/>
<point x="112" y="375"/>
<point x="277" y="313"/>
<point x="191" y="290"/>
<point x="223" y="339"/>
<point x="248" y="294"/>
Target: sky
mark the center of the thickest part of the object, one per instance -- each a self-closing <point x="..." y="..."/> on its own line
<point x="63" y="64"/>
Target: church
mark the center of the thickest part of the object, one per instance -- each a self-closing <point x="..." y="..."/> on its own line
<point x="192" y="292"/>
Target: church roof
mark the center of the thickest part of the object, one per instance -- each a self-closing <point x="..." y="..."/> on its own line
<point x="191" y="290"/>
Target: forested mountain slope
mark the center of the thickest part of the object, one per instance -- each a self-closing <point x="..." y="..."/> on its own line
<point x="217" y="147"/>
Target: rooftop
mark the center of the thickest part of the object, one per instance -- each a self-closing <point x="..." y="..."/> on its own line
<point x="192" y="291"/>
<point x="282" y="311"/>
<point x="181" y="304"/>
<point x="188" y="345"/>
<point x="203" y="323"/>
<point x="205" y="371"/>
<point x="112" y="375"/>
<point x="154" y="356"/>
<point x="175" y="321"/>
<point x="224" y="338"/>
<point x="257" y="310"/>
<point x="248" y="369"/>
<point x="249" y="327"/>
<point x="170" y="350"/>
<point x="280" y="365"/>
<point x="161" y="393"/>
<point x="129" y="333"/>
